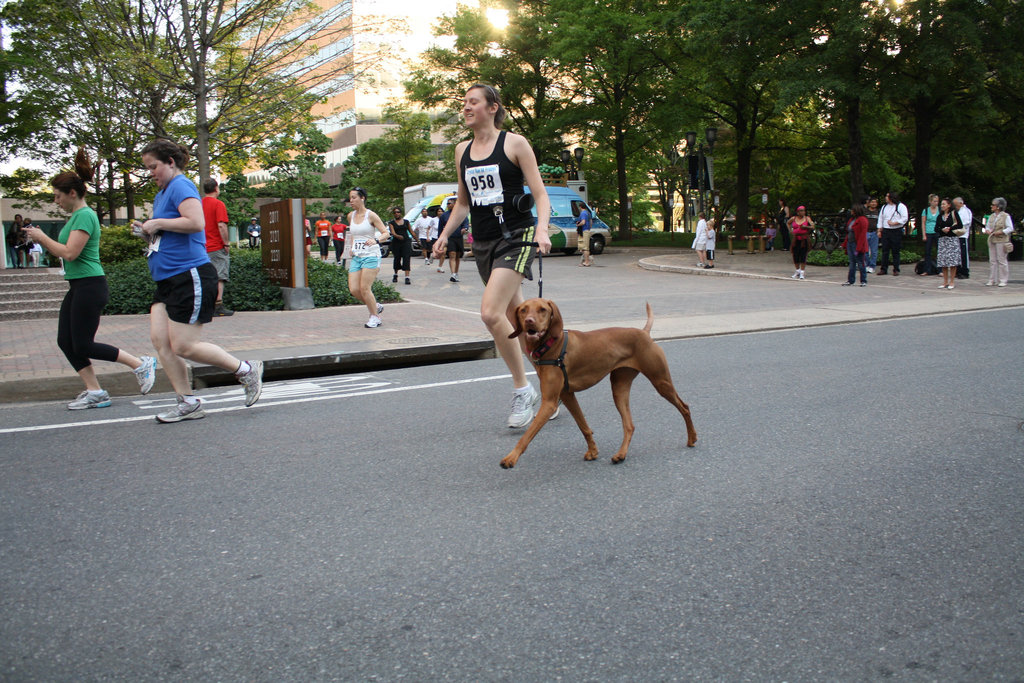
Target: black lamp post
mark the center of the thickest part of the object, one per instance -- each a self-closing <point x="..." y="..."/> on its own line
<point x="573" y="162"/>
<point x="711" y="136"/>
<point x="674" y="173"/>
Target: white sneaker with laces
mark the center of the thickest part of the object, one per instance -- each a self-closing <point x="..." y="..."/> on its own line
<point x="374" y="321"/>
<point x="252" y="381"/>
<point x="183" y="410"/>
<point x="794" y="275"/>
<point x="380" y="308"/>
<point x="146" y="374"/>
<point x="524" y="407"/>
<point x="87" y="399"/>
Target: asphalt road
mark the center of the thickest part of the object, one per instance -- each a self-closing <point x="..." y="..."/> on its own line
<point x="851" y="512"/>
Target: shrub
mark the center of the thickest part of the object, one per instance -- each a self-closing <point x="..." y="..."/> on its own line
<point x="118" y="244"/>
<point x="131" y="287"/>
<point x="249" y="289"/>
<point x="819" y="257"/>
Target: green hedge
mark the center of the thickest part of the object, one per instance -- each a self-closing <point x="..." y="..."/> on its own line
<point x="118" y="245"/>
<point x="819" y="257"/>
<point x="131" y="287"/>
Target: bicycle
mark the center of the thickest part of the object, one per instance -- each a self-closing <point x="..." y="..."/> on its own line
<point x="829" y="232"/>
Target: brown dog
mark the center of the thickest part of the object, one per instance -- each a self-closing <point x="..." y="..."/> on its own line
<point x="586" y="358"/>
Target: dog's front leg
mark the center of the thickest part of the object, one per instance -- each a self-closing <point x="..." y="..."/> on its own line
<point x="544" y="413"/>
<point x="570" y="402"/>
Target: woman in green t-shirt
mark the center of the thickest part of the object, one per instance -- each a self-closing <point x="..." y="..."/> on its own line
<point x="79" y="245"/>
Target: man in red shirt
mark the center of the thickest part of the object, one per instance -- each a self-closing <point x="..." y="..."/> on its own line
<point x="323" y="235"/>
<point x="217" y="239"/>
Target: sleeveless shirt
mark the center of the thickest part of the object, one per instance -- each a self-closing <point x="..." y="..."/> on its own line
<point x="493" y="181"/>
<point x="360" y="233"/>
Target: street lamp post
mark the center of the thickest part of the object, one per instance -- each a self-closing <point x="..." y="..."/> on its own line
<point x="573" y="162"/>
<point x="703" y="179"/>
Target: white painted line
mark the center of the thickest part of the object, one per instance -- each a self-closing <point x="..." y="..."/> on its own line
<point x="261" y="404"/>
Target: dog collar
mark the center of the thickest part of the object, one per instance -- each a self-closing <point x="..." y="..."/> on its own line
<point x="560" y="361"/>
<point x="542" y="348"/>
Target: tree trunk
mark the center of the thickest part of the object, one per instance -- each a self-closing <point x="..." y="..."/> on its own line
<point x="743" y="158"/>
<point x="625" y="229"/>
<point x="129" y="195"/>
<point x="855" y="143"/>
<point x="924" y="119"/>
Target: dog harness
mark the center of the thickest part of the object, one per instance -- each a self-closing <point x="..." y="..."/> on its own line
<point x="560" y="361"/>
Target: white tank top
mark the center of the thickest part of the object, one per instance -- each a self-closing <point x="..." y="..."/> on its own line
<point x="359" y="233"/>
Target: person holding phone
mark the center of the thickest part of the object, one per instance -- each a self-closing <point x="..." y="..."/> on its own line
<point x="186" y="283"/>
<point x="79" y="245"/>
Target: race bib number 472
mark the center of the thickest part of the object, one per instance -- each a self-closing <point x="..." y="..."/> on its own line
<point x="484" y="185"/>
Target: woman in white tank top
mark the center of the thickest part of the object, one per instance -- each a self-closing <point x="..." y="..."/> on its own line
<point x="365" y="233"/>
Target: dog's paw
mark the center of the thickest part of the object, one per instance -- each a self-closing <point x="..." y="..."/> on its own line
<point x="508" y="462"/>
<point x="619" y="457"/>
<point x="590" y="455"/>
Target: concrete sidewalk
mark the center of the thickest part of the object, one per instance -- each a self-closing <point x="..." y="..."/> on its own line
<point x="333" y="340"/>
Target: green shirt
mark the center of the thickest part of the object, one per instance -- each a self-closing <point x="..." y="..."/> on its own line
<point x="88" y="262"/>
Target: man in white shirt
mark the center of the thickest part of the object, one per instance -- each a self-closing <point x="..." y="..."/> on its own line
<point x="422" y="227"/>
<point x="892" y="220"/>
<point x="963" y="271"/>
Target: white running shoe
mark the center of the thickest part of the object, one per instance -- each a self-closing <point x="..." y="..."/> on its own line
<point x="87" y="400"/>
<point x="524" y="407"/>
<point x="183" y="410"/>
<point x="380" y="308"/>
<point x="252" y="381"/>
<point x="795" y="275"/>
<point x="801" y="275"/>
<point x="870" y="269"/>
<point x="374" y="321"/>
<point x="454" y="278"/>
<point x="146" y="374"/>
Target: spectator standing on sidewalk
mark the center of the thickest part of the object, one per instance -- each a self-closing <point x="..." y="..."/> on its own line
<point x="709" y="250"/>
<point x="493" y="167"/>
<point x="254" y="233"/>
<point x="928" y="235"/>
<point x="401" y="245"/>
<point x="14" y="235"/>
<point x="217" y="239"/>
<point x="79" y="245"/>
<point x="338" y="233"/>
<point x="700" y="241"/>
<point x="856" y="245"/>
<point x="366" y="231"/>
<point x="871" y="213"/>
<point x="186" y="284"/>
<point x="999" y="227"/>
<point x="963" y="271"/>
<point x="782" y="220"/>
<point x="892" y="221"/>
<point x="948" y="258"/>
<point x="802" y="227"/>
<point x="583" y="225"/>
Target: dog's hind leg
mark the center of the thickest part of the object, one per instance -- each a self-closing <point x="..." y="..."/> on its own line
<point x="570" y="402"/>
<point x="622" y="381"/>
<point x="664" y="386"/>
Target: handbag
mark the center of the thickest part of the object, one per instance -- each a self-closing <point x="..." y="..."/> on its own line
<point x="959" y="231"/>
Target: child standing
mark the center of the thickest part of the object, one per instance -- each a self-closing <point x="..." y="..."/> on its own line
<point x="710" y="252"/>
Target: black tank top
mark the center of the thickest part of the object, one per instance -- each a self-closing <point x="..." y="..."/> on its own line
<point x="491" y="182"/>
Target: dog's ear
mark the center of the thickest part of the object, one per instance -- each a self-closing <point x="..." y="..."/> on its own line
<point x="518" y="322"/>
<point x="555" y="323"/>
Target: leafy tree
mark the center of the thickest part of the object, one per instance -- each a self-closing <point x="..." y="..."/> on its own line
<point x="400" y="157"/>
<point x="297" y="160"/>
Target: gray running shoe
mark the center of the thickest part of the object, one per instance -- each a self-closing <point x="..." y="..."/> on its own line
<point x="146" y="373"/>
<point x="524" y="407"/>
<point x="182" y="411"/>
<point x="253" y="382"/>
<point x="380" y="308"/>
<point x="86" y="400"/>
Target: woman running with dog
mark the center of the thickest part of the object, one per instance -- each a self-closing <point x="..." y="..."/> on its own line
<point x="493" y="168"/>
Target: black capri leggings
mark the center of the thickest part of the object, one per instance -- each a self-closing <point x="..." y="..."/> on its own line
<point x="80" y="318"/>
<point x="324" y="244"/>
<point x="800" y="248"/>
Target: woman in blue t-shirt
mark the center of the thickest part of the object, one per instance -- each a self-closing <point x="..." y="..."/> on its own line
<point x="186" y="283"/>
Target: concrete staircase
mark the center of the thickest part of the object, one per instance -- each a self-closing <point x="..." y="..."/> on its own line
<point x="30" y="293"/>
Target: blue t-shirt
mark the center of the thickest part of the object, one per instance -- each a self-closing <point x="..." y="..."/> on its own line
<point x="585" y="217"/>
<point x="177" y="252"/>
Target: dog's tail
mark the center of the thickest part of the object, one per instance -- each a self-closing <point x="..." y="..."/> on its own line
<point x="650" y="318"/>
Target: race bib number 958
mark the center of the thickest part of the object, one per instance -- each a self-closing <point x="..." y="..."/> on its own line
<point x="484" y="185"/>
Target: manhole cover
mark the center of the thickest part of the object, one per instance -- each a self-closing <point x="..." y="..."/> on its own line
<point x="413" y="340"/>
